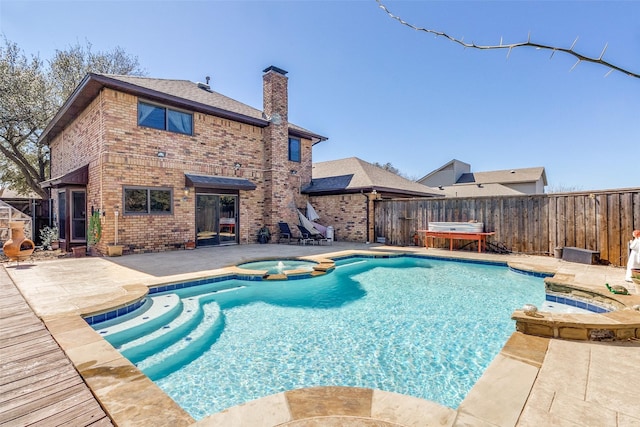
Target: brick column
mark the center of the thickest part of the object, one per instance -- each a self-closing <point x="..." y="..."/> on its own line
<point x="279" y="197"/>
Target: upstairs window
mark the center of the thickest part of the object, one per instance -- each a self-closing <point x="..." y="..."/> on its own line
<point x="294" y="149"/>
<point x="147" y="201"/>
<point x="163" y="118"/>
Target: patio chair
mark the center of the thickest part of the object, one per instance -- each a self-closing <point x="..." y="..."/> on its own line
<point x="284" y="232"/>
<point x="308" y="237"/>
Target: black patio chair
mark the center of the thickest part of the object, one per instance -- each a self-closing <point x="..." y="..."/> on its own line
<point x="284" y="232"/>
<point x="308" y="237"/>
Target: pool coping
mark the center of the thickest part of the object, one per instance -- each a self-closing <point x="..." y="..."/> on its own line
<point x="113" y="379"/>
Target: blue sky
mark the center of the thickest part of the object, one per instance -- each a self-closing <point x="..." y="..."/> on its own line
<point x="385" y="93"/>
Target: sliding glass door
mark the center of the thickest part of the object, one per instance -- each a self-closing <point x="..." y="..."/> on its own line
<point x="216" y="219"/>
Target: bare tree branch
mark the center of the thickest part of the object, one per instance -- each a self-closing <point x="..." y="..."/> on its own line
<point x="509" y="46"/>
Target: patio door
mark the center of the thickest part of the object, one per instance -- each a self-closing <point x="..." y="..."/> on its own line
<point x="72" y="217"/>
<point x="216" y="219"/>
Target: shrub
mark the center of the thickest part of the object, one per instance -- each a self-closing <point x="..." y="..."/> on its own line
<point x="48" y="235"/>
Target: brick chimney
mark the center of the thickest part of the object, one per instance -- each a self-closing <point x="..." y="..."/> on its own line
<point x="275" y="94"/>
<point x="278" y="197"/>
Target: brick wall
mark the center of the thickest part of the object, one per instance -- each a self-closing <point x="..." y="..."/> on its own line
<point x="120" y="153"/>
<point x="346" y="213"/>
<point x="79" y="144"/>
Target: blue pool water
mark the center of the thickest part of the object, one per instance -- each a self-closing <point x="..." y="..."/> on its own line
<point x="421" y="327"/>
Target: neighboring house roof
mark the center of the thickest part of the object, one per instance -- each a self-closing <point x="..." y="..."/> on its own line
<point x="9" y="193"/>
<point x="178" y="93"/>
<point x="510" y="176"/>
<point x="478" y="190"/>
<point x="352" y="175"/>
<point x="453" y="164"/>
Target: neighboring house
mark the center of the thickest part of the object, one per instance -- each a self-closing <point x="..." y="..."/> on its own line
<point x="173" y="161"/>
<point x="342" y="192"/>
<point x="455" y="179"/>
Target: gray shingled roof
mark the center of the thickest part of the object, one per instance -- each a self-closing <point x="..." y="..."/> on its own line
<point x="364" y="176"/>
<point x="179" y="93"/>
<point x="509" y="176"/>
<point x="478" y="190"/>
<point x="189" y="90"/>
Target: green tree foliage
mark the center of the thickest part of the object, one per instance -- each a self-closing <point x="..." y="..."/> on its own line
<point x="25" y="108"/>
<point x="390" y="168"/>
<point x="32" y="92"/>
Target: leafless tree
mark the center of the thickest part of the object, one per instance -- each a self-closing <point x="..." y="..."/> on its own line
<point x="510" y="46"/>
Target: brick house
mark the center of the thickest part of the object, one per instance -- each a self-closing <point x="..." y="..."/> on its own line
<point x="172" y="161"/>
<point x="344" y="192"/>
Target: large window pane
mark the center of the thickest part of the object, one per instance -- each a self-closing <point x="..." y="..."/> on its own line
<point x="180" y="122"/>
<point x="135" y="200"/>
<point x="78" y="215"/>
<point x="147" y="201"/>
<point x="163" y="118"/>
<point x="62" y="215"/>
<point x="151" y="116"/>
<point x="294" y="149"/>
<point x="160" y="201"/>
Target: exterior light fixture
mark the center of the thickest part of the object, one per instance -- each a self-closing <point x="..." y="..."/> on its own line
<point x="162" y="154"/>
<point x="237" y="165"/>
<point x="294" y="172"/>
<point x="186" y="191"/>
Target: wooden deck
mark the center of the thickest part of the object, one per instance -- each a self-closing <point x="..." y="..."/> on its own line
<point x="38" y="384"/>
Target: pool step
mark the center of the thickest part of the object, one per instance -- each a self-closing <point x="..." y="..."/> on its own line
<point x="166" y="334"/>
<point x="157" y="310"/>
<point x="188" y="348"/>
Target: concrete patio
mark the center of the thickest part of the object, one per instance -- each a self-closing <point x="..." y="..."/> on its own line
<point x="533" y="381"/>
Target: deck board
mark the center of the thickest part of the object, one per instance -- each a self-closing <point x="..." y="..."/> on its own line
<point x="38" y="385"/>
<point x="10" y="341"/>
<point x="17" y="370"/>
<point x="34" y="383"/>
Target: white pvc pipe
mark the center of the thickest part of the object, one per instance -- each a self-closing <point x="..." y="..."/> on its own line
<point x="116" y="242"/>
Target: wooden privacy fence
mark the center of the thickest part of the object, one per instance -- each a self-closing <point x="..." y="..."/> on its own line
<point x="533" y="224"/>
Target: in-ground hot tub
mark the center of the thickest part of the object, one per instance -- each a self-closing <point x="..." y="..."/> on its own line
<point x="460" y="227"/>
<point x="278" y="266"/>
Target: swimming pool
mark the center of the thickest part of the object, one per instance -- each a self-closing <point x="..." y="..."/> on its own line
<point x="422" y="327"/>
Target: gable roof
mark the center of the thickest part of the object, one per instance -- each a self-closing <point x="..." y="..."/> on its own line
<point x="452" y="164"/>
<point x="478" y="190"/>
<point x="352" y="175"/>
<point x="177" y="93"/>
<point x="510" y="176"/>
